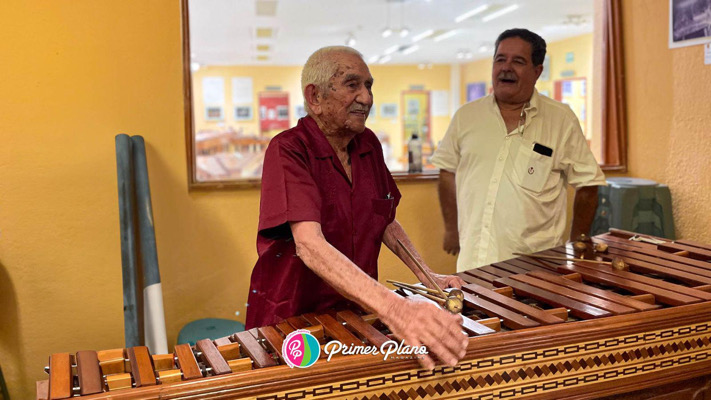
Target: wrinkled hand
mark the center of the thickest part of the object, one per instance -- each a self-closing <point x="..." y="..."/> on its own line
<point x="447" y="281"/>
<point x="451" y="242"/>
<point x="423" y="323"/>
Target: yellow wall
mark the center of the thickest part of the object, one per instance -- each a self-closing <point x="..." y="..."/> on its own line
<point x="74" y="74"/>
<point x="82" y="71"/>
<point x="668" y="103"/>
<point x="390" y="82"/>
<point x="474" y="72"/>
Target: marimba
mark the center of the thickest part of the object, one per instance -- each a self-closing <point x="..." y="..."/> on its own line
<point x="539" y="329"/>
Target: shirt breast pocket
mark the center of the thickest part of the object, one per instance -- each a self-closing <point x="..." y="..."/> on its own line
<point x="385" y="208"/>
<point x="532" y="169"/>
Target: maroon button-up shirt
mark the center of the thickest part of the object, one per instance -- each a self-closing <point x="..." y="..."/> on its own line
<point x="303" y="180"/>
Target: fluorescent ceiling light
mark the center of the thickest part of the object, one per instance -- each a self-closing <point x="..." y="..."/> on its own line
<point x="385" y="59"/>
<point x="373" y="59"/>
<point x="471" y="13"/>
<point x="411" y="49"/>
<point x="422" y="35"/>
<point x="392" y="49"/>
<point x="499" y="13"/>
<point x="445" y="35"/>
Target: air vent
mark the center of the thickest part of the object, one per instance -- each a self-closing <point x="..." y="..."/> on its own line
<point x="265" y="33"/>
<point x="266" y="8"/>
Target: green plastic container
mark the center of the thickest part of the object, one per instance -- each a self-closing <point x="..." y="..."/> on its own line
<point x="633" y="204"/>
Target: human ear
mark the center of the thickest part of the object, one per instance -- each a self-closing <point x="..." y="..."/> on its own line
<point x="539" y="70"/>
<point x="313" y="99"/>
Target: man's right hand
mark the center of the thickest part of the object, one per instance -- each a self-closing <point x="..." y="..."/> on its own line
<point x="451" y="242"/>
<point x="423" y="323"/>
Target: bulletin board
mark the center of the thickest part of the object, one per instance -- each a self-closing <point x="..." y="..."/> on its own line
<point x="273" y="112"/>
<point x="416" y="114"/>
<point x="573" y="92"/>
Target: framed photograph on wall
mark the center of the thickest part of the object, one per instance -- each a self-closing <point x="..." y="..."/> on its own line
<point x="388" y="110"/>
<point x="243" y="113"/>
<point x="299" y="111"/>
<point x="476" y="90"/>
<point x="689" y="22"/>
<point x="214" y="113"/>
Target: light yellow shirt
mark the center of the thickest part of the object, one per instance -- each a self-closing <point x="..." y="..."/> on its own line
<point x="509" y="197"/>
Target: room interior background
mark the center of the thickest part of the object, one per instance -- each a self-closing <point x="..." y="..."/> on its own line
<point x="76" y="73"/>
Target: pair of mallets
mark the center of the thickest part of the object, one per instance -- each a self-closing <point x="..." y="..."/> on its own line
<point x="452" y="301"/>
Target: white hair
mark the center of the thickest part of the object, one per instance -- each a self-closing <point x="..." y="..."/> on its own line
<point x="320" y="68"/>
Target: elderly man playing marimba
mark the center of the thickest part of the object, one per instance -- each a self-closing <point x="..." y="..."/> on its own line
<point x="327" y="203"/>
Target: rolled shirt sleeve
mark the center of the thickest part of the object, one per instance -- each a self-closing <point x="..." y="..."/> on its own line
<point x="289" y="192"/>
<point x="447" y="155"/>
<point x="579" y="166"/>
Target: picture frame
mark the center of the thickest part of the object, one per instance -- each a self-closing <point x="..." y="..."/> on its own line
<point x="243" y="113"/>
<point x="476" y="90"/>
<point x="299" y="111"/>
<point x="214" y="113"/>
<point x="689" y="23"/>
<point x="282" y="113"/>
<point x="388" y="110"/>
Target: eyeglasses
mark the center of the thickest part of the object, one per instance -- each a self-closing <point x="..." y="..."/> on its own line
<point x="522" y="119"/>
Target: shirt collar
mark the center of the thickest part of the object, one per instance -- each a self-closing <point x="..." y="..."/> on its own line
<point x="322" y="148"/>
<point x="532" y="108"/>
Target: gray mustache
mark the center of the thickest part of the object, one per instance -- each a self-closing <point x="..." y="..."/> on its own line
<point x="507" y="76"/>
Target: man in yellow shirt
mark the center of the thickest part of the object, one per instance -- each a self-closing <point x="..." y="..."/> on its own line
<point x="506" y="160"/>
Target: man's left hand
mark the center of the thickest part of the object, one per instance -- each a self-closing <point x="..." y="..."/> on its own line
<point x="447" y="281"/>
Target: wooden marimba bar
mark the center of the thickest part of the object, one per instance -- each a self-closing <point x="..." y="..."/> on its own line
<point x="538" y="329"/>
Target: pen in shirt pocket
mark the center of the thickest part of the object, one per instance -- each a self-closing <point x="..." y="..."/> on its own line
<point x="388" y="196"/>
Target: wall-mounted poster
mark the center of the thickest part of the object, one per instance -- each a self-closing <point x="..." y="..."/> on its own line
<point x="689" y="22"/>
<point x="546" y="74"/>
<point x="273" y="111"/>
<point x="213" y="90"/>
<point x="439" y="103"/>
<point x="476" y="90"/>
<point x="242" y="90"/>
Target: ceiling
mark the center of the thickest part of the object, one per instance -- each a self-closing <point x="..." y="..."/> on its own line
<point x="226" y="32"/>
